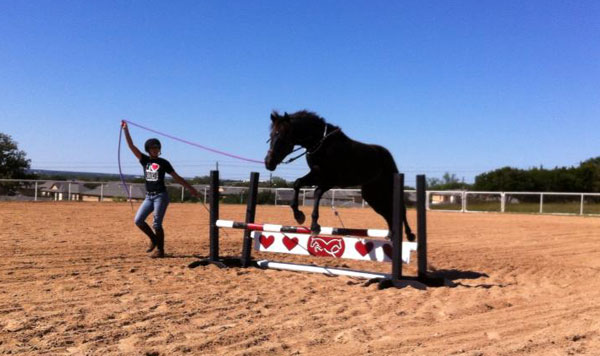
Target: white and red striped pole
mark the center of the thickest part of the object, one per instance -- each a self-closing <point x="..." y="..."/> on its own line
<point x="336" y="231"/>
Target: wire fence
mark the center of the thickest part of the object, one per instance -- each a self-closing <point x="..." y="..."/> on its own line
<point x="456" y="201"/>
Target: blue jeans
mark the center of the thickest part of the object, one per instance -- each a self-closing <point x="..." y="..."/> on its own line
<point x="156" y="203"/>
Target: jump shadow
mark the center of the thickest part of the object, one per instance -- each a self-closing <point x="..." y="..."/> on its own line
<point x="221" y="262"/>
<point x="435" y="278"/>
<point x="169" y="255"/>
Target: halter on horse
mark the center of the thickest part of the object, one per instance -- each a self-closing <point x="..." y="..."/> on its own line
<point x="334" y="160"/>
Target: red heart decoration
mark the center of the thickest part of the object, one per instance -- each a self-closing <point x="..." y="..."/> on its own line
<point x="387" y="248"/>
<point x="266" y="241"/>
<point x="290" y="243"/>
<point x="155" y="166"/>
<point x="362" y="248"/>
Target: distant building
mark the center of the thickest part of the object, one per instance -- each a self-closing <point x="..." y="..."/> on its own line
<point x="62" y="190"/>
<point x="79" y="191"/>
<point x="114" y="190"/>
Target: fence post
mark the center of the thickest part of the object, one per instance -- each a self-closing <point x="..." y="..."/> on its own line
<point x="35" y="194"/>
<point x="205" y="189"/>
<point x="69" y="195"/>
<point x="541" y="203"/>
<point x="182" y="192"/>
<point x="130" y="191"/>
<point x="464" y="201"/>
<point x="275" y="196"/>
<point x="421" y="226"/>
<point x="427" y="196"/>
<point x="214" y="216"/>
<point x="581" y="206"/>
<point x="250" y="214"/>
<point x="101" y="192"/>
<point x="303" y="197"/>
<point x="397" y="223"/>
<point x="502" y="202"/>
<point x="333" y="198"/>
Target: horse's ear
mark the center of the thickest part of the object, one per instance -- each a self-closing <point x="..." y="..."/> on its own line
<point x="274" y="115"/>
<point x="286" y="116"/>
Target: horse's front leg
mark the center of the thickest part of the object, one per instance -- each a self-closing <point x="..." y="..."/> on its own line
<point x="299" y="183"/>
<point x="315" y="228"/>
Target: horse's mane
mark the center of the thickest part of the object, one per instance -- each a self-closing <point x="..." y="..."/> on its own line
<point x="302" y="115"/>
<point x="307" y="115"/>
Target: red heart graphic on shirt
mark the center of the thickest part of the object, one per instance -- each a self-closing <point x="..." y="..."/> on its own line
<point x="154" y="166"/>
<point x="290" y="243"/>
<point x="266" y="241"/>
<point x="363" y="248"/>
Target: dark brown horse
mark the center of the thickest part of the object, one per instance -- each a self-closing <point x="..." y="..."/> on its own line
<point x="334" y="160"/>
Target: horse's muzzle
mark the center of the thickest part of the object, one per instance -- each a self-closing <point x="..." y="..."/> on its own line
<point x="270" y="166"/>
<point x="269" y="162"/>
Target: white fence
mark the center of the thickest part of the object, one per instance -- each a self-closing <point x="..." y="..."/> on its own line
<point x="515" y="202"/>
<point x="457" y="201"/>
<point x="55" y="190"/>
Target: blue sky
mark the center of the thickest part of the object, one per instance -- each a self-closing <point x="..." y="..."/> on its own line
<point x="448" y="86"/>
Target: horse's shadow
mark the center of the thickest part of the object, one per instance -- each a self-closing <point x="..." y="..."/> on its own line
<point x="452" y="275"/>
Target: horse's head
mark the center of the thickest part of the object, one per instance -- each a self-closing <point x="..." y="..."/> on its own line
<point x="281" y="141"/>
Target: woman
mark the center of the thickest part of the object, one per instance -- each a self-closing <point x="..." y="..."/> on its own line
<point x="157" y="198"/>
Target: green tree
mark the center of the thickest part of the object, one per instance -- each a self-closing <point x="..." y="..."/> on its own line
<point x="449" y="181"/>
<point x="583" y="178"/>
<point x="504" y="179"/>
<point x="13" y="162"/>
<point x="587" y="175"/>
<point x="200" y="180"/>
<point x="279" y="182"/>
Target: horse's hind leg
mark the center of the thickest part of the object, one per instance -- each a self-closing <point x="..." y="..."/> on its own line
<point x="380" y="198"/>
<point x="410" y="236"/>
<point x="315" y="228"/>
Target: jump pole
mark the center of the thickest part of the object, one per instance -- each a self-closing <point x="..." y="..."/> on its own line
<point x="303" y="230"/>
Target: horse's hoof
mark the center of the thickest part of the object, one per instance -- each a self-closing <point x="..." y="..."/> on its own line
<point x="299" y="216"/>
<point x="315" y="229"/>
<point x="411" y="237"/>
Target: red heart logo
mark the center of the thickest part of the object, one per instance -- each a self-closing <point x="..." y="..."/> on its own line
<point x="155" y="166"/>
<point x="290" y="243"/>
<point x="387" y="248"/>
<point x="266" y="241"/>
<point x="363" y="248"/>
